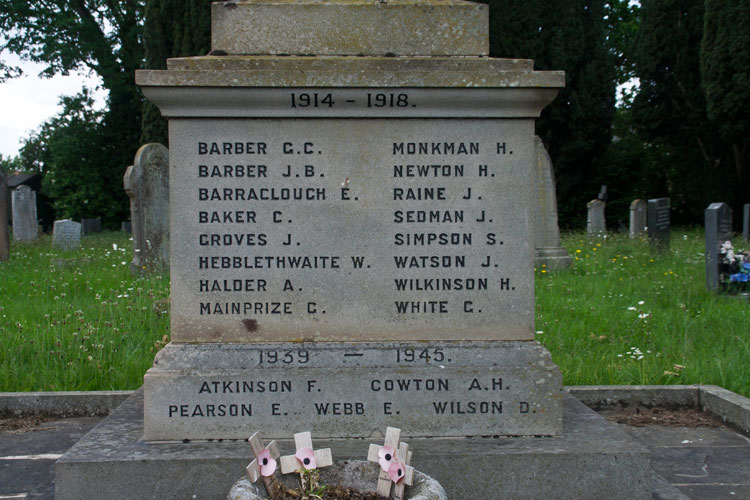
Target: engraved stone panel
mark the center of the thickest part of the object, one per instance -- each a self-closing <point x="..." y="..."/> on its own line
<point x="353" y="389"/>
<point x="25" y="226"/>
<point x="363" y="230"/>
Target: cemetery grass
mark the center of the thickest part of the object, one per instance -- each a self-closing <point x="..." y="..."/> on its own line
<point x="625" y="315"/>
<point x="78" y="320"/>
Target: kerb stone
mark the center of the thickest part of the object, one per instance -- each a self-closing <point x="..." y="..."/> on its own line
<point x="341" y="27"/>
<point x="344" y="390"/>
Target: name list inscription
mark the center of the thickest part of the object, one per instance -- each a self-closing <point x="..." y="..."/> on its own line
<point x="352" y="226"/>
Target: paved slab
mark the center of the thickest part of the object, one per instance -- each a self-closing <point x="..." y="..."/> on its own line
<point x="28" y="454"/>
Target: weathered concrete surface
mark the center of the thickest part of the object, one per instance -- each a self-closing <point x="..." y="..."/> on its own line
<point x="346" y="27"/>
<point x="592" y="460"/>
<point x="730" y="407"/>
<point x="352" y="390"/>
<point x="61" y="403"/>
<point x="648" y="396"/>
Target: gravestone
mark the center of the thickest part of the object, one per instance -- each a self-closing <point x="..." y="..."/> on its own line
<point x="718" y="220"/>
<point x="658" y="223"/>
<point x="126" y="226"/>
<point x="4" y="235"/>
<point x="596" y="224"/>
<point x="638" y="221"/>
<point x="25" y="226"/>
<point x="352" y="249"/>
<point x="746" y="222"/>
<point x="147" y="185"/>
<point x="90" y="226"/>
<point x="66" y="234"/>
<point x="548" y="252"/>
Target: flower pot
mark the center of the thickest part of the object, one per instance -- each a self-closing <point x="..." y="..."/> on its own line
<point x="357" y="474"/>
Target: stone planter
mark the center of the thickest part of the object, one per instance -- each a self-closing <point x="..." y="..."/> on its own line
<point x="350" y="473"/>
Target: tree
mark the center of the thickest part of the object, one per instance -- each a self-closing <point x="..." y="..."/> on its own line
<point x="103" y="36"/>
<point x="725" y="74"/>
<point x="73" y="178"/>
<point x="173" y="28"/>
<point x="565" y="35"/>
<point x="670" y="107"/>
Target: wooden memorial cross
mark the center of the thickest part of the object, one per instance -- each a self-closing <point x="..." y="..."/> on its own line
<point x="393" y="464"/>
<point x="264" y="464"/>
<point x="305" y="456"/>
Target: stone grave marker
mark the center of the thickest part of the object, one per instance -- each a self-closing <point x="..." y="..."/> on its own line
<point x="25" y="226"/>
<point x="4" y="234"/>
<point x="66" y="234"/>
<point x="548" y="251"/>
<point x="355" y="228"/>
<point x="638" y="220"/>
<point x="126" y="226"/>
<point x="596" y="224"/>
<point x="147" y="184"/>
<point x="718" y="220"/>
<point x="746" y="222"/>
<point x="658" y="223"/>
<point x="90" y="226"/>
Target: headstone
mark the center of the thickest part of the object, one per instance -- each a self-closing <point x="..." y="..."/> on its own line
<point x="548" y="251"/>
<point x="127" y="227"/>
<point x="718" y="218"/>
<point x="90" y="226"/>
<point x="746" y="222"/>
<point x="603" y="194"/>
<point x="4" y="235"/>
<point x="66" y="234"/>
<point x="658" y="223"/>
<point x="147" y="185"/>
<point x="596" y="224"/>
<point x="25" y="226"/>
<point x="638" y="220"/>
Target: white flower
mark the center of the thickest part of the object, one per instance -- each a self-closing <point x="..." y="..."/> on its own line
<point x="641" y="302"/>
<point x="631" y="308"/>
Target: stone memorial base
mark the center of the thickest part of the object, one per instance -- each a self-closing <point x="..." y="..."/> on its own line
<point x="352" y="390"/>
<point x="553" y="259"/>
<point x="593" y="459"/>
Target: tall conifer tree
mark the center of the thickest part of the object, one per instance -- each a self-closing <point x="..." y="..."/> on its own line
<point x="173" y="28"/>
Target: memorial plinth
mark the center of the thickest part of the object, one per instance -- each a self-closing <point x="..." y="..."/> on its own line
<point x="351" y="238"/>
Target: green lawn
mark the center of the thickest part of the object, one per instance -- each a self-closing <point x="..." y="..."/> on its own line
<point x="80" y="321"/>
<point x="624" y="315"/>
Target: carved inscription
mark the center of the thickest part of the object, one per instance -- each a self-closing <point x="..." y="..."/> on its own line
<point x="368" y="227"/>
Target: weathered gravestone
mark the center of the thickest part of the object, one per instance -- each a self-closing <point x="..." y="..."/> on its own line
<point x="638" y="220"/>
<point x="66" y="234"/>
<point x="718" y="220"/>
<point x="90" y="226"/>
<point x="596" y="224"/>
<point x="658" y="223"/>
<point x="25" y="226"/>
<point x="147" y="185"/>
<point x="4" y="235"/>
<point x="746" y="222"/>
<point x="548" y="252"/>
<point x="126" y="226"/>
<point x="352" y="249"/>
